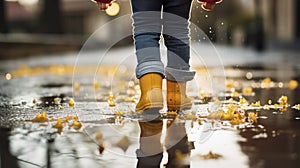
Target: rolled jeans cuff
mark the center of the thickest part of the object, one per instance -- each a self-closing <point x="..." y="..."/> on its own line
<point x="149" y="67"/>
<point x="178" y="75"/>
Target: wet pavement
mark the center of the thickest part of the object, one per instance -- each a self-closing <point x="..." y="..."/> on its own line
<point x="77" y="110"/>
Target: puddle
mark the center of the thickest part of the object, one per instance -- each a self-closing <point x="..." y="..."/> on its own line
<point x="252" y="127"/>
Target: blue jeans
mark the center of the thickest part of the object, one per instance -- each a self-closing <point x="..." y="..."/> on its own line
<point x="151" y="18"/>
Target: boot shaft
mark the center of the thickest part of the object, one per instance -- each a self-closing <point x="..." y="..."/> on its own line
<point x="176" y="87"/>
<point x="150" y="81"/>
<point x="151" y="92"/>
<point x="176" y="96"/>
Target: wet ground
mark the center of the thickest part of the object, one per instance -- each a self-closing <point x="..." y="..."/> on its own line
<point x="59" y="112"/>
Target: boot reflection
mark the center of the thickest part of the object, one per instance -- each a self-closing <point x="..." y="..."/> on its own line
<point x="177" y="145"/>
<point x="153" y="144"/>
<point x="151" y="152"/>
<point x="6" y="158"/>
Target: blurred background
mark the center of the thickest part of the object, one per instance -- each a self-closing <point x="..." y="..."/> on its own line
<point x="37" y="27"/>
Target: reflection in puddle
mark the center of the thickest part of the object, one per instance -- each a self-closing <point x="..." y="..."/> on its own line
<point x="253" y="123"/>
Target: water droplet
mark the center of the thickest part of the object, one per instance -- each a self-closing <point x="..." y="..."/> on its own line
<point x="222" y="23"/>
<point x="206" y="16"/>
<point x="210" y="28"/>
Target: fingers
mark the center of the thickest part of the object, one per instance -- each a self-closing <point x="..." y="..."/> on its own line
<point x="208" y="6"/>
<point x="103" y="6"/>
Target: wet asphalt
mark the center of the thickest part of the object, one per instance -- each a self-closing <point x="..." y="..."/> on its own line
<point x="110" y="135"/>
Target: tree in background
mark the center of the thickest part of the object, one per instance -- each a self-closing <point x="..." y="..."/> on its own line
<point x="51" y="17"/>
<point x="3" y="24"/>
<point x="297" y="6"/>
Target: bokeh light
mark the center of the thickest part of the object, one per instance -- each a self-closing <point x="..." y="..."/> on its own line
<point x="28" y="2"/>
<point x="8" y="76"/>
<point x="113" y="10"/>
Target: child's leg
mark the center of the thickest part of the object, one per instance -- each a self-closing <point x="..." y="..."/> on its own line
<point x="176" y="35"/>
<point x="147" y="30"/>
<point x="150" y="69"/>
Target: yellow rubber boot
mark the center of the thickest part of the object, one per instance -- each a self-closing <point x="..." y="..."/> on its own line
<point x="151" y="96"/>
<point x="176" y="96"/>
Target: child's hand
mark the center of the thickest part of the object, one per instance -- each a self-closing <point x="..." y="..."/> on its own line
<point x="209" y="4"/>
<point x="103" y="4"/>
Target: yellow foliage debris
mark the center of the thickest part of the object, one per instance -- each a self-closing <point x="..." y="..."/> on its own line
<point x="76" y="125"/>
<point x="59" y="124"/>
<point x="236" y="121"/>
<point x="269" y="102"/>
<point x="283" y="100"/>
<point x="111" y="103"/>
<point x="119" y="113"/>
<point x="256" y="104"/>
<point x="40" y="117"/>
<point x="211" y="155"/>
<point x="252" y="117"/>
<point x="56" y="100"/>
<point x="243" y="101"/>
<point x="247" y="91"/>
<point x="60" y="107"/>
<point x="71" y="102"/>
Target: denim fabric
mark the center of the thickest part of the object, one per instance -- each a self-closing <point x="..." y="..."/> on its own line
<point x="151" y="18"/>
<point x="179" y="75"/>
